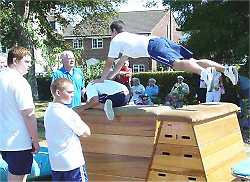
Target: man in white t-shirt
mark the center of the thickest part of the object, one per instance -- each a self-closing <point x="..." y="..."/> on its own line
<point x="160" y="49"/>
<point x="18" y="125"/>
<point x="106" y="95"/>
<point x="63" y="127"/>
<point x="217" y="88"/>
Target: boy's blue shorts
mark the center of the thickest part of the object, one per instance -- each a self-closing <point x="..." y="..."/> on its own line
<point x="78" y="174"/>
<point x="166" y="51"/>
<point x="19" y="162"/>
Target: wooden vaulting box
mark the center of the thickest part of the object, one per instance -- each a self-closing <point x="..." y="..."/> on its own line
<point x="120" y="150"/>
<point x="194" y="143"/>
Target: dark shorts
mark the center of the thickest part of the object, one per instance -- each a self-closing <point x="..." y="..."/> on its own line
<point x="78" y="174"/>
<point x="19" y="162"/>
<point x="118" y="99"/>
<point x="166" y="51"/>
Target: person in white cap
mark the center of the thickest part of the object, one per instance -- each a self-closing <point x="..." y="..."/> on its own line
<point x="178" y="92"/>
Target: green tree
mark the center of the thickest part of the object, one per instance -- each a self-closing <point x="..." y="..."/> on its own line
<point x="217" y="29"/>
<point x="26" y="23"/>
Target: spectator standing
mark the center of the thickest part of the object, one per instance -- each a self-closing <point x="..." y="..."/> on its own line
<point x="18" y="124"/>
<point x="202" y="91"/>
<point x="69" y="71"/>
<point x="125" y="75"/>
<point x="63" y="127"/>
<point x="137" y="90"/>
<point x="152" y="90"/>
<point x="217" y="88"/>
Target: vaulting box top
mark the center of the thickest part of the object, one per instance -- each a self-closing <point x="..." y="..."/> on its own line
<point x="191" y="113"/>
<point x="198" y="113"/>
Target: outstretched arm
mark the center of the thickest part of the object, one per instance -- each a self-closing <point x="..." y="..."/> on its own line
<point x="117" y="67"/>
<point x="106" y="70"/>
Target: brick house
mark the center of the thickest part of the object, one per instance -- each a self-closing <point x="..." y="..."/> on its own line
<point x="152" y="22"/>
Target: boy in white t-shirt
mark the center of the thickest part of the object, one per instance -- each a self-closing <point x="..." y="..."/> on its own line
<point x="63" y="127"/>
<point x="18" y="125"/>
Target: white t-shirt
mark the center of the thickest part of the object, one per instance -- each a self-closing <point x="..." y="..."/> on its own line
<point x="129" y="44"/>
<point x="108" y="87"/>
<point x="15" y="95"/>
<point x="215" y="85"/>
<point x="62" y="128"/>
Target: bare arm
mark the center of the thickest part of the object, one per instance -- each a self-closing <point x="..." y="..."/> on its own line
<point x="117" y="67"/>
<point x="31" y="124"/>
<point x="87" y="131"/>
<point x="92" y="103"/>
<point x="107" y="68"/>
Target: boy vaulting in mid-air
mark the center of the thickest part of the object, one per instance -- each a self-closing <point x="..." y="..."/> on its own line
<point x="160" y="49"/>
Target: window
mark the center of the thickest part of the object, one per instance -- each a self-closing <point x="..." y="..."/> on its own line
<point x="97" y="43"/>
<point x="138" y="68"/>
<point x="78" y="44"/>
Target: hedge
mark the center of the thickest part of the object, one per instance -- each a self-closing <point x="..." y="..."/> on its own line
<point x="43" y="84"/>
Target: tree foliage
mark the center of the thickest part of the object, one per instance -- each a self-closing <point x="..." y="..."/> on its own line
<point x="26" y="23"/>
<point x="18" y="18"/>
<point x="218" y="29"/>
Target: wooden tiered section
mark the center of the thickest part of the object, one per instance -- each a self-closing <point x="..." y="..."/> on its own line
<point x="195" y="143"/>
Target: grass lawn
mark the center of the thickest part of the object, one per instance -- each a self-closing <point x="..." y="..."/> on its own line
<point x="40" y="109"/>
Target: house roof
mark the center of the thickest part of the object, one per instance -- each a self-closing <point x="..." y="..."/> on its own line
<point x="141" y="22"/>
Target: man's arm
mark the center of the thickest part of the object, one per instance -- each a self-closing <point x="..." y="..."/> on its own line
<point x="31" y="124"/>
<point x="106" y="70"/>
<point x="117" y="67"/>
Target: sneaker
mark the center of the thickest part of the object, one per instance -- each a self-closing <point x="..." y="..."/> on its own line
<point x="108" y="109"/>
<point x="232" y="73"/>
<point x="207" y="76"/>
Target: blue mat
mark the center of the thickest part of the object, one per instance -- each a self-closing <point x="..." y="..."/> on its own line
<point x="40" y="166"/>
<point x="242" y="169"/>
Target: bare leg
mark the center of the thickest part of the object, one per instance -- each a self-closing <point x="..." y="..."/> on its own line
<point x="187" y="65"/>
<point x="17" y="178"/>
<point x="208" y="63"/>
<point x="196" y="66"/>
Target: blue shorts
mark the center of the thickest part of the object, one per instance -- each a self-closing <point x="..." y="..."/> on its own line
<point x="19" y="162"/>
<point x="118" y="99"/>
<point x="78" y="174"/>
<point x="166" y="51"/>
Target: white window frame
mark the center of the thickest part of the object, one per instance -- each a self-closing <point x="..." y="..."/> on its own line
<point x="77" y="44"/>
<point x="138" y="68"/>
<point x="98" y="41"/>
